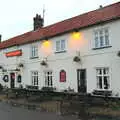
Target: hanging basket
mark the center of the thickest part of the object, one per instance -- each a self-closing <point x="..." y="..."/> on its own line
<point x="43" y="63"/>
<point x="76" y="59"/>
<point x="1" y="67"/>
<point x="21" y="65"/>
<point x="118" y="54"/>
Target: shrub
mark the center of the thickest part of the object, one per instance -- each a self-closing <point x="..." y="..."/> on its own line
<point x="1" y="87"/>
<point x="47" y="89"/>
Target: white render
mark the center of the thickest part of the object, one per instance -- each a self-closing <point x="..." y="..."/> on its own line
<point x="91" y="59"/>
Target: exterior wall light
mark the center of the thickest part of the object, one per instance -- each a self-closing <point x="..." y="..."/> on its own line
<point x="76" y="34"/>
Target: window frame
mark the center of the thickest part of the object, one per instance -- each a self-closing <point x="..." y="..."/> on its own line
<point x="48" y="78"/>
<point x="34" y="51"/>
<point x="102" y="76"/>
<point x="60" y="46"/>
<point x="101" y="38"/>
<point x="35" y="78"/>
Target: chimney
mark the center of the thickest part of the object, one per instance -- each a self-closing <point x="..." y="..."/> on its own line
<point x="0" y="37"/>
<point x="38" y="22"/>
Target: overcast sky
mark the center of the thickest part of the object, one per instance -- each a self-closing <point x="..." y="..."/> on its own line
<point x="17" y="15"/>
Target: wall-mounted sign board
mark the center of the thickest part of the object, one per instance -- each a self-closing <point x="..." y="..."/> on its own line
<point x="14" y="53"/>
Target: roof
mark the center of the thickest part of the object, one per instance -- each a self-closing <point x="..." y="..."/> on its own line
<point x="100" y="15"/>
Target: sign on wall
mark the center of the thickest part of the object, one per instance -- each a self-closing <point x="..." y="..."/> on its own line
<point x="14" y="53"/>
<point x="62" y="76"/>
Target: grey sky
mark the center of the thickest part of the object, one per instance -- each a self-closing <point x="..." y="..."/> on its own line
<point x="17" y="15"/>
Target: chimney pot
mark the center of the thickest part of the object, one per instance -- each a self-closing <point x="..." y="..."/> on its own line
<point x="38" y="22"/>
<point x="100" y="6"/>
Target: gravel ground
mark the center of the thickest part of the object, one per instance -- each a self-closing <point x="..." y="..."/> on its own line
<point x="8" y="112"/>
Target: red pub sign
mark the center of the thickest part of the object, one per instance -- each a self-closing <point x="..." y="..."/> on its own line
<point x="62" y="76"/>
<point x="14" y="53"/>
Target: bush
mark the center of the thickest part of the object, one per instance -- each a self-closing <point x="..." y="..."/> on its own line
<point x="47" y="89"/>
<point x="1" y="87"/>
<point x="31" y="87"/>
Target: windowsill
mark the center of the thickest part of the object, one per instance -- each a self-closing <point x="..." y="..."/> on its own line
<point x="102" y="92"/>
<point x="60" y="51"/>
<point x="102" y="47"/>
<point x="34" y="57"/>
<point x="103" y="89"/>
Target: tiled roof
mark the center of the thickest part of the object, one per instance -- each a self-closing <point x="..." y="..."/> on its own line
<point x="104" y="14"/>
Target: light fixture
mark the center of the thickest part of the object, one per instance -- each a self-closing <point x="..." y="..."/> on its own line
<point x="76" y="34"/>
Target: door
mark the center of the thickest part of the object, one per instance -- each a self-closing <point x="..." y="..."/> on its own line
<point x="12" y="80"/>
<point x="81" y="80"/>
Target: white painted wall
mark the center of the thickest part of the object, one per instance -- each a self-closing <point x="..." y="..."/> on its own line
<point x="56" y="61"/>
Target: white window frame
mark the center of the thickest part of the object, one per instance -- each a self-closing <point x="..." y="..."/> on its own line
<point x="35" y="78"/>
<point x="34" y="51"/>
<point x="48" y="78"/>
<point x="60" y="45"/>
<point x="101" y="38"/>
<point x="103" y="73"/>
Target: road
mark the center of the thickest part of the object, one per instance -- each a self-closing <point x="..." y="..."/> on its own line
<point x="8" y="112"/>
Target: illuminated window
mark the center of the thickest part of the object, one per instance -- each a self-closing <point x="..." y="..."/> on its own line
<point x="101" y="38"/>
<point x="34" y="51"/>
<point x="103" y="77"/>
<point x="34" y="75"/>
<point x="60" y="46"/>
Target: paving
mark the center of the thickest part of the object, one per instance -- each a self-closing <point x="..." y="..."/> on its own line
<point x="9" y="112"/>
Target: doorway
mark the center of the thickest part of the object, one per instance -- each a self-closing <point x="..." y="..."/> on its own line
<point x="12" y="80"/>
<point x="81" y="80"/>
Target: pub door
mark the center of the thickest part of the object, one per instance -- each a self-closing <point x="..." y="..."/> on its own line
<point x="81" y="80"/>
<point x="12" y="80"/>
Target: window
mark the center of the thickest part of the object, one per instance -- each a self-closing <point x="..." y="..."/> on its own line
<point x="19" y="78"/>
<point x="34" y="78"/>
<point x="34" y="51"/>
<point x="103" y="78"/>
<point x="48" y="79"/>
<point x="60" y="46"/>
<point x="101" y="38"/>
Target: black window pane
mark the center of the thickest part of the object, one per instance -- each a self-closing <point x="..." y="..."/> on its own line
<point x="100" y="82"/>
<point x="100" y="71"/>
<point x="105" y="82"/>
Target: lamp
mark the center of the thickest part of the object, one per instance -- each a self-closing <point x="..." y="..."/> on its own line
<point x="76" y="34"/>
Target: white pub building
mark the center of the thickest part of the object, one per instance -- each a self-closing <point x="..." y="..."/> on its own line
<point x="81" y="53"/>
